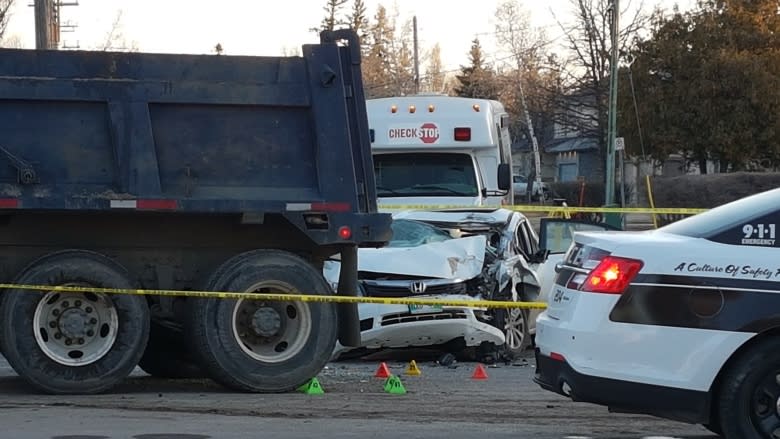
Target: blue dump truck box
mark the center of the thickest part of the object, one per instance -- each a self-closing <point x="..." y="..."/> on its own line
<point x="191" y="172"/>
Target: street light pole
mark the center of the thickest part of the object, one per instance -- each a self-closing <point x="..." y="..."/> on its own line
<point x="609" y="196"/>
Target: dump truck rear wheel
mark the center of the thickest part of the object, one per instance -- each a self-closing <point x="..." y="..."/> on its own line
<point x="67" y="342"/>
<point x="263" y="346"/>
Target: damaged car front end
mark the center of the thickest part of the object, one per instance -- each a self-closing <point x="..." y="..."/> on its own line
<point x="448" y="255"/>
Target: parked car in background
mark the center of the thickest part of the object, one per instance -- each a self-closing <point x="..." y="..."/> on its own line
<point x="479" y="253"/>
<point x="520" y="189"/>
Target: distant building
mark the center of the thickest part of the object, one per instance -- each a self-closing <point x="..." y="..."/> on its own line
<point x="568" y="150"/>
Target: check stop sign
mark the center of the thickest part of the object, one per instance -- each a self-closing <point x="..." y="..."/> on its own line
<point x="429" y="133"/>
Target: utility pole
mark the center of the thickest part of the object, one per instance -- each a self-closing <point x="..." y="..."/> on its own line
<point x="45" y="26"/>
<point x="609" y="196"/>
<point x="416" y="59"/>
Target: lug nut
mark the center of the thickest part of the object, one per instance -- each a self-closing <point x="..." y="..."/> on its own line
<point x="78" y="303"/>
<point x="56" y="312"/>
<point x="90" y="333"/>
<point x="65" y="304"/>
<point x="58" y="336"/>
<point x="68" y="341"/>
<point x="80" y="341"/>
<point x="93" y="320"/>
<point x="88" y="309"/>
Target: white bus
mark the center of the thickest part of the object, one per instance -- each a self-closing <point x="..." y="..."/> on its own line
<point x="440" y="150"/>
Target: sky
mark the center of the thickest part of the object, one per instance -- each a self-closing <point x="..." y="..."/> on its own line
<point x="273" y="28"/>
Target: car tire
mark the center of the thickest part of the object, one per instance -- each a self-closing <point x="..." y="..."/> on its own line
<point x="258" y="346"/>
<point x="750" y="391"/>
<point x="514" y="323"/>
<point x="86" y="343"/>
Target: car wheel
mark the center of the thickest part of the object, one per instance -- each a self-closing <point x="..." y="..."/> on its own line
<point x="749" y="399"/>
<point x="514" y="323"/>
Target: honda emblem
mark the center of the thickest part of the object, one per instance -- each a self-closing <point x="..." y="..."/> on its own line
<point x="417" y="286"/>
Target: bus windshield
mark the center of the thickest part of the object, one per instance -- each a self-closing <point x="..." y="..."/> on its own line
<point x="425" y="174"/>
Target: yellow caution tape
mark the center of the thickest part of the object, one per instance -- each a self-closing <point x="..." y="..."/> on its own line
<point x="551" y="209"/>
<point x="460" y="303"/>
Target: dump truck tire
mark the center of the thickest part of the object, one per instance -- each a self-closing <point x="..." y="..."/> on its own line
<point x="73" y="343"/>
<point x="263" y="346"/>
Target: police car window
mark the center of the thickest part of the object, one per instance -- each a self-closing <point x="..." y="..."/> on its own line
<point x="725" y="223"/>
<point x="758" y="232"/>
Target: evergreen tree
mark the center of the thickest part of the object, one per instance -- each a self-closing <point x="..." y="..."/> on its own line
<point x="477" y="80"/>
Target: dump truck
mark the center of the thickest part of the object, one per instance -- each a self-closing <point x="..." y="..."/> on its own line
<point x="175" y="172"/>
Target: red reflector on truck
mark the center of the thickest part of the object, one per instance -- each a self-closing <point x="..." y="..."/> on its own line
<point x="320" y="207"/>
<point x="157" y="204"/>
<point x="556" y="356"/>
<point x="612" y="275"/>
<point x="462" y="134"/>
<point x="144" y="204"/>
<point x="331" y="207"/>
<point x="9" y="203"/>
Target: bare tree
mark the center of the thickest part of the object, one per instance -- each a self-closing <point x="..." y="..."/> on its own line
<point x="585" y="73"/>
<point x="115" y="39"/>
<point x="434" y="74"/>
<point x="5" y="16"/>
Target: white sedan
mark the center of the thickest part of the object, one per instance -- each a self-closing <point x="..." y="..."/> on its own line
<point x="682" y="322"/>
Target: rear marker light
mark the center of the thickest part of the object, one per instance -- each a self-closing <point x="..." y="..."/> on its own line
<point x="612" y="275"/>
<point x="156" y="204"/>
<point x="463" y="134"/>
<point x="345" y="232"/>
<point x="556" y="356"/>
<point x="9" y="203"/>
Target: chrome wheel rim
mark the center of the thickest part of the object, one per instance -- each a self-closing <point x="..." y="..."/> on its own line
<point x="271" y="331"/>
<point x="514" y="328"/>
<point x="75" y="329"/>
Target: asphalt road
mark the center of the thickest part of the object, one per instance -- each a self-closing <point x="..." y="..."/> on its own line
<point x="442" y="402"/>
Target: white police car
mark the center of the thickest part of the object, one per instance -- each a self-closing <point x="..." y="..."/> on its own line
<point x="682" y="322"/>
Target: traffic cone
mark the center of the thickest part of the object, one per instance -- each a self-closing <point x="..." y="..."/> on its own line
<point x="383" y="371"/>
<point x="412" y="369"/>
<point x="479" y="373"/>
<point x="394" y="386"/>
<point x="313" y="387"/>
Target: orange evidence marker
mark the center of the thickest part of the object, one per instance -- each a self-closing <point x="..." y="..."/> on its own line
<point x="383" y="371"/>
<point x="479" y="373"/>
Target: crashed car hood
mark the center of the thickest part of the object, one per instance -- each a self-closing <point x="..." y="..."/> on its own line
<point x="460" y="258"/>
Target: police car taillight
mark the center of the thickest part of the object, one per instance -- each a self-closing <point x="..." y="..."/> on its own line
<point x="612" y="275"/>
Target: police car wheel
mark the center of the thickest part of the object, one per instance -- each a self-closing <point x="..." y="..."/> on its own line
<point x="749" y="399"/>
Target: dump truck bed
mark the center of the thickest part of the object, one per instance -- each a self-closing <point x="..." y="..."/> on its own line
<point x="193" y="133"/>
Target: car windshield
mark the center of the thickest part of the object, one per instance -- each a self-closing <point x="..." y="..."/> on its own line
<point x="425" y="174"/>
<point x="718" y="219"/>
<point x="520" y="179"/>
<point x="408" y="233"/>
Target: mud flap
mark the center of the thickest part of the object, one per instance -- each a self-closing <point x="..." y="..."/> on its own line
<point x="349" y="320"/>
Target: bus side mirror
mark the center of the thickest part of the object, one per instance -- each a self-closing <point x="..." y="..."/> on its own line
<point x="504" y="177"/>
